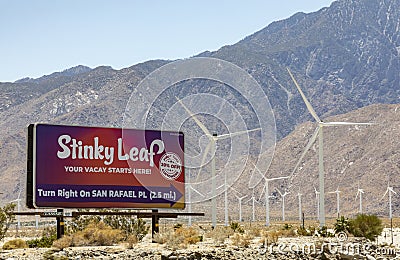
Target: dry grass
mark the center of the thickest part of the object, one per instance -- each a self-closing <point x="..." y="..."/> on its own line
<point x="95" y="234"/>
<point x="132" y="240"/>
<point x="219" y="234"/>
<point x="241" y="240"/>
<point x="270" y="237"/>
<point x="14" y="244"/>
<point x="178" y="238"/>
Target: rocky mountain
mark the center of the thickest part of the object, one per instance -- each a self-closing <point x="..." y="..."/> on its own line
<point x="345" y="57"/>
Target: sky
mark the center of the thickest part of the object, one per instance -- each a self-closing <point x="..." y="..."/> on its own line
<point x="39" y="37"/>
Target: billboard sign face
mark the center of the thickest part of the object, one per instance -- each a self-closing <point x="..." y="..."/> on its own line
<point x="95" y="167"/>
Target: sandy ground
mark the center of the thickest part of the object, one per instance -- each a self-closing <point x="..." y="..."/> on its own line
<point x="208" y="250"/>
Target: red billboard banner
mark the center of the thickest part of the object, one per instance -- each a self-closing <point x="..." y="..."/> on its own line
<point x="97" y="167"/>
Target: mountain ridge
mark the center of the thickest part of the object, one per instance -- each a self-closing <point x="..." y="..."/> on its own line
<point x="345" y="57"/>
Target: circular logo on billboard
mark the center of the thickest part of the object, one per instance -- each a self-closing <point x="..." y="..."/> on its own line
<point x="170" y="166"/>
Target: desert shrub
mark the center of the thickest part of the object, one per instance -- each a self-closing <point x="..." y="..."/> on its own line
<point x="49" y="235"/>
<point x="64" y="242"/>
<point x="287" y="226"/>
<point x="95" y="234"/>
<point x="241" y="240"/>
<point x="15" y="243"/>
<point x="6" y="218"/>
<point x="132" y="240"/>
<point x="138" y="228"/>
<point x="323" y="232"/>
<point x="302" y="231"/>
<point x="178" y="225"/>
<point x="235" y="226"/>
<point x="287" y="231"/>
<point x="270" y="237"/>
<point x="129" y="225"/>
<point x="100" y="234"/>
<point x="178" y="238"/>
<point x="80" y="222"/>
<point x="342" y="225"/>
<point x="219" y="234"/>
<point x="253" y="231"/>
<point x="312" y="230"/>
<point x="161" y="238"/>
<point x="367" y="226"/>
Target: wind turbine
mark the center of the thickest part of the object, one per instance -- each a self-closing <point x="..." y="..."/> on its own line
<point x="213" y="138"/>
<point x="389" y="191"/>
<point x="318" y="133"/>
<point x="360" y="193"/>
<point x="337" y="191"/>
<point x="283" y="202"/>
<point x="253" y="203"/>
<point x="240" y="203"/>
<point x="266" y="190"/>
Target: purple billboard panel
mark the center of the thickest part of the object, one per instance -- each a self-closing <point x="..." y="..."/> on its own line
<point x="95" y="167"/>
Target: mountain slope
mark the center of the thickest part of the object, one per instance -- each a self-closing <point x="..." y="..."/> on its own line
<point x="345" y="57"/>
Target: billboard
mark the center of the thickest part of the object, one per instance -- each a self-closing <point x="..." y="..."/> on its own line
<point x="97" y="167"/>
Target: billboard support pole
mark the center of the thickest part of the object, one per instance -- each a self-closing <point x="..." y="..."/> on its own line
<point x="60" y="223"/>
<point x="155" y="225"/>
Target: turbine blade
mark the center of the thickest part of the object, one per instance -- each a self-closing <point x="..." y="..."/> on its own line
<point x="258" y="170"/>
<point x="279" y="192"/>
<point x="224" y="136"/>
<point x="278" y="178"/>
<point x="198" y="192"/>
<point x="220" y="186"/>
<point x="308" y="104"/>
<point x="308" y="146"/>
<point x="204" y="159"/>
<point x="385" y="194"/>
<point x="200" y="124"/>
<point x="262" y="193"/>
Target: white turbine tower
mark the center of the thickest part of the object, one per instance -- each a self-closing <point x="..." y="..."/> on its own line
<point x="317" y="200"/>
<point x="213" y="138"/>
<point x="283" y="202"/>
<point x="359" y="194"/>
<point x="389" y="191"/>
<point x="266" y="191"/>
<point x="319" y="133"/>
<point x="300" y="208"/>
<point x="337" y="191"/>
<point x="253" y="204"/>
<point x="18" y="200"/>
<point x="190" y="189"/>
